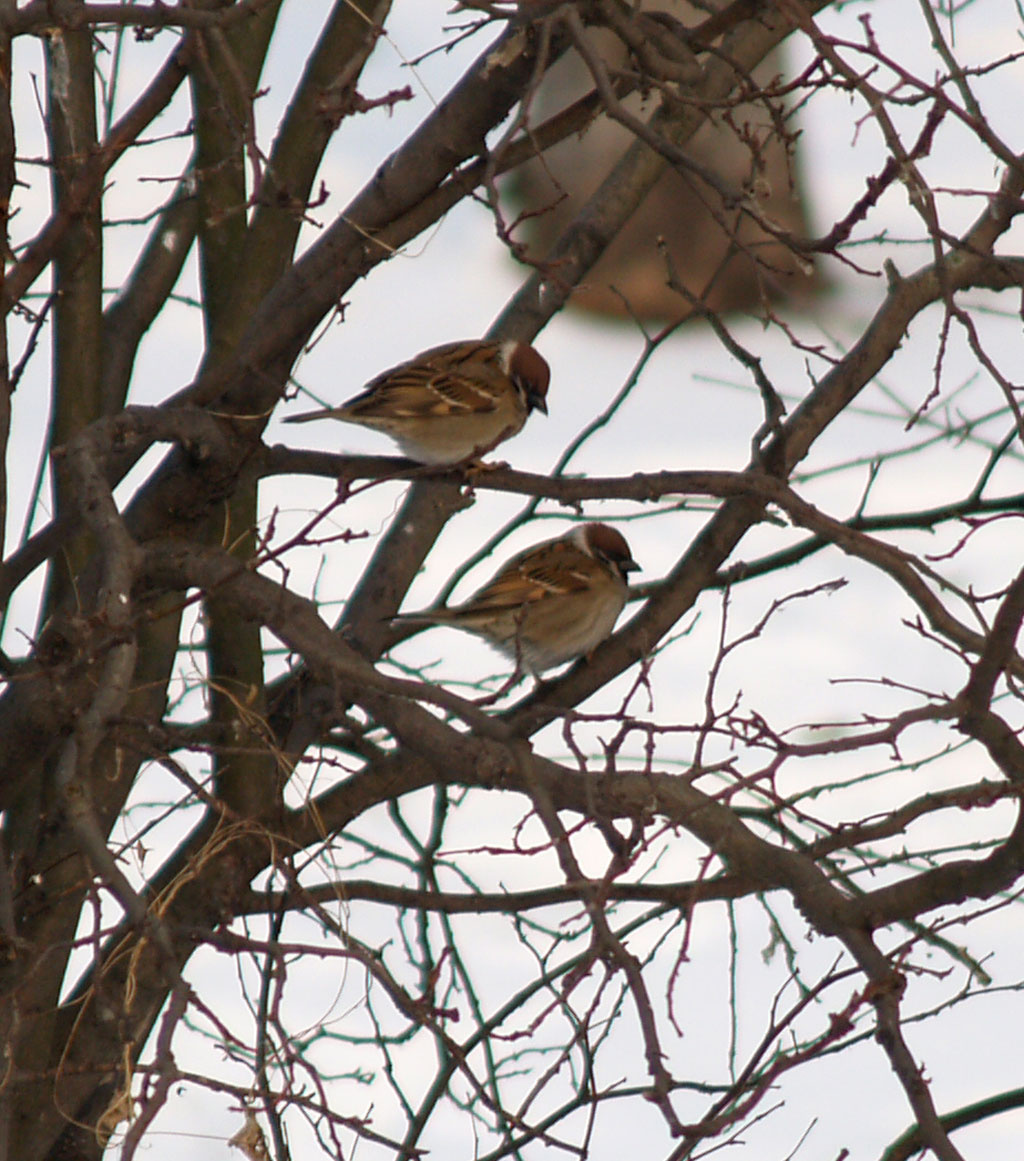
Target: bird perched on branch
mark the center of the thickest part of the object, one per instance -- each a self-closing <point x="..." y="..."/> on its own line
<point x="551" y="603"/>
<point x="451" y="403"/>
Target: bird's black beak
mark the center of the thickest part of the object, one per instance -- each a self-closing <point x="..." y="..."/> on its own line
<point x="537" y="402"/>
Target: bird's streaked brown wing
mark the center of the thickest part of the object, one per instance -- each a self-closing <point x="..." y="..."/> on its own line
<point x="555" y="569"/>
<point x="455" y="379"/>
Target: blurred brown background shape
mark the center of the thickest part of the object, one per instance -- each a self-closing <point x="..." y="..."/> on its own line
<point x="632" y="269"/>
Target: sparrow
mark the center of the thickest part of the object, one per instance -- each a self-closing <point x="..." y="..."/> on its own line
<point x="451" y="403"/>
<point x="551" y="603"/>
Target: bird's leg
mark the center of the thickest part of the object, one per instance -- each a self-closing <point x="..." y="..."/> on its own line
<point x="474" y="464"/>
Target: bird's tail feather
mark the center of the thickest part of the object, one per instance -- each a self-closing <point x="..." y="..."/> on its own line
<point x="306" y="416"/>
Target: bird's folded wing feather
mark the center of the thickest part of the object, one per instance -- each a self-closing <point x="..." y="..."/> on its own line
<point x="429" y="388"/>
<point x="557" y="571"/>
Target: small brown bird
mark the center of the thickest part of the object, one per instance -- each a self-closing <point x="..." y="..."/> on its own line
<point x="551" y="603"/>
<point x="450" y="403"/>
